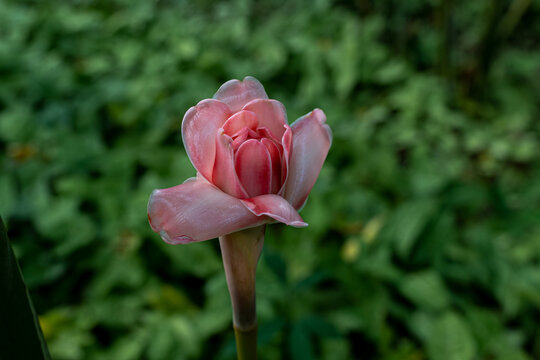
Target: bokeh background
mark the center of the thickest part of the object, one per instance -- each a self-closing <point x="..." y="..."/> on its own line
<point x="424" y="236"/>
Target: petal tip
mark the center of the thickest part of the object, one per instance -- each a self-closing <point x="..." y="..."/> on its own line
<point x="236" y="93"/>
<point x="254" y="82"/>
<point x="321" y="118"/>
<point x="320" y="115"/>
<point x="298" y="224"/>
<point x="250" y="78"/>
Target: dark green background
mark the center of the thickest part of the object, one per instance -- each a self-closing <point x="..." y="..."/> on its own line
<point x="424" y="236"/>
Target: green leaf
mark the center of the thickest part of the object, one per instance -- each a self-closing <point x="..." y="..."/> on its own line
<point x="300" y="344"/>
<point x="451" y="339"/>
<point x="426" y="289"/>
<point x="20" y="333"/>
<point x="320" y="327"/>
<point x="277" y="264"/>
<point x="407" y="223"/>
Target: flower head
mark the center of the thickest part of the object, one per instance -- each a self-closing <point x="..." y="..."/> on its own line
<point x="252" y="167"/>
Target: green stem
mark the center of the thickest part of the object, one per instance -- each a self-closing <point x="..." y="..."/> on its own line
<point x="241" y="251"/>
<point x="246" y="343"/>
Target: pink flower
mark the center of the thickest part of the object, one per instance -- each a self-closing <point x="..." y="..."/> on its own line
<point x="252" y="167"/>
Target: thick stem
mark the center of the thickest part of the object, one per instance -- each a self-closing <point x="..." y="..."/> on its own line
<point x="241" y="251"/>
<point x="246" y="343"/>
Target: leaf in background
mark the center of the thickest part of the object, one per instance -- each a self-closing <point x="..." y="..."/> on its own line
<point x="268" y="330"/>
<point x="407" y="223"/>
<point x="344" y="60"/>
<point x="320" y="327"/>
<point x="20" y="334"/>
<point x="421" y="324"/>
<point x="485" y="324"/>
<point x="426" y="289"/>
<point x="333" y="348"/>
<point x="451" y="339"/>
<point x="276" y="263"/>
<point x="300" y="344"/>
<point x="7" y="194"/>
<point x="200" y="260"/>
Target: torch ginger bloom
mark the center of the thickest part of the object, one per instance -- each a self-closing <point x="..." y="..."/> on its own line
<point x="252" y="167"/>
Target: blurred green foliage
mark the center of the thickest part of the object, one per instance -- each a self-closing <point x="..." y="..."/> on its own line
<point x="424" y="237"/>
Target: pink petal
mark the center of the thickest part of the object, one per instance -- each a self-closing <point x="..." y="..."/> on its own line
<point x="197" y="211"/>
<point x="254" y="167"/>
<point x="240" y="120"/>
<point x="224" y="173"/>
<point x="270" y="114"/>
<point x="286" y="143"/>
<point x="199" y="129"/>
<point x="311" y="139"/>
<point x="275" y="207"/>
<point x="275" y="158"/>
<point x="243" y="135"/>
<point x="237" y="93"/>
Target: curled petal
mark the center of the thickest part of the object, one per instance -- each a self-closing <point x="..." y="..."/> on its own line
<point x="275" y="207"/>
<point x="263" y="132"/>
<point x="311" y="140"/>
<point x="199" y="129"/>
<point x="242" y="136"/>
<point x="254" y="167"/>
<point x="240" y="120"/>
<point x="270" y="114"/>
<point x="236" y="93"/>
<point x="224" y="173"/>
<point x="197" y="211"/>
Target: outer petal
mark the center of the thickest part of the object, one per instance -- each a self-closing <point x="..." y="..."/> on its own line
<point x="197" y="211"/>
<point x="275" y="207"/>
<point x="254" y="167"/>
<point x="237" y="93"/>
<point x="270" y="114"/>
<point x="199" y="129"/>
<point x="224" y="174"/>
<point x="286" y="143"/>
<point x="311" y="141"/>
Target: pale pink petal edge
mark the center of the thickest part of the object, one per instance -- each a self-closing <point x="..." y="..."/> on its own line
<point x="276" y="207"/>
<point x="236" y="93"/>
